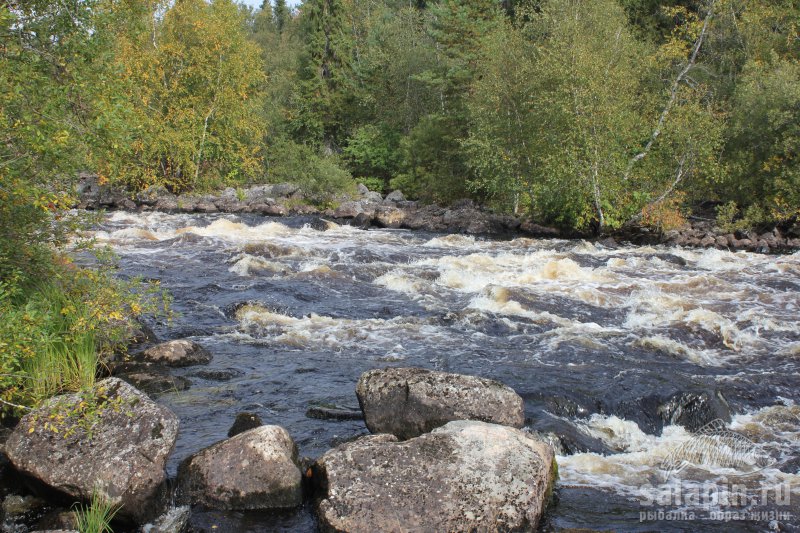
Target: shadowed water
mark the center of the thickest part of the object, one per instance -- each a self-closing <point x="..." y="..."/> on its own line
<point x="587" y="335"/>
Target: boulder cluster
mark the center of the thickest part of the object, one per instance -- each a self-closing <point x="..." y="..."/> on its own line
<point x="446" y="454"/>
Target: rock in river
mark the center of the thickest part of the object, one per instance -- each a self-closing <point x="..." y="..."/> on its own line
<point x="177" y="353"/>
<point x="465" y="476"/>
<point x="256" y="469"/>
<point x="116" y="444"/>
<point x="408" y="402"/>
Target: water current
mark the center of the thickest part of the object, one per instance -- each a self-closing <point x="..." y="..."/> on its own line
<point x="594" y="338"/>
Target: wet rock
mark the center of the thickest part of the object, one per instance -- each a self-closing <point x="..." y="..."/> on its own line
<point x="324" y="412"/>
<point x="141" y="333"/>
<point x="205" y="206"/>
<point x="217" y="375"/>
<point x="694" y="410"/>
<point x="361" y="220"/>
<point x="150" y="379"/>
<point x="245" y="422"/>
<point x="57" y="520"/>
<point x="389" y="217"/>
<point x="178" y="353"/>
<point x="16" y="505"/>
<point x="117" y="448"/>
<point x="253" y="470"/>
<point x="531" y="228"/>
<point x="408" y="402"/>
<point x="175" y="520"/>
<point x="395" y="196"/>
<point x="465" y="476"/>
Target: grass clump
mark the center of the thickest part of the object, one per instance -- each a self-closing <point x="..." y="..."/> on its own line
<point x="97" y="516"/>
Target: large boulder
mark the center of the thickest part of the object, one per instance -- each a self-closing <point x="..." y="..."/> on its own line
<point x="408" y="402"/>
<point x="465" y="476"/>
<point x="177" y="353"/>
<point x="256" y="469"/>
<point x="115" y="443"/>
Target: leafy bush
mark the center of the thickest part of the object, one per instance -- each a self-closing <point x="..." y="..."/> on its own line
<point x="54" y="336"/>
<point x="319" y="176"/>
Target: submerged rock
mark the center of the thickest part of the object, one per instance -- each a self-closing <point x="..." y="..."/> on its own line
<point x="116" y="445"/>
<point x="408" y="402"/>
<point x="256" y="469"/>
<point x="694" y="410"/>
<point x="465" y="476"/>
<point x="177" y="353"/>
<point x="152" y="379"/>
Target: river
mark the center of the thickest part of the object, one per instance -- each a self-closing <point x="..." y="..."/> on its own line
<point x="592" y="337"/>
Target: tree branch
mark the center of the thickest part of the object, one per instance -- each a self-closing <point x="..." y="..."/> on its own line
<point x="673" y="94"/>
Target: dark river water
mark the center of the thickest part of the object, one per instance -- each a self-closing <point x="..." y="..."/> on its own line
<point x="589" y="336"/>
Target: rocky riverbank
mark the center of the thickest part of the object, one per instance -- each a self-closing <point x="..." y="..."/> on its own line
<point x="371" y="209"/>
<point x="114" y="444"/>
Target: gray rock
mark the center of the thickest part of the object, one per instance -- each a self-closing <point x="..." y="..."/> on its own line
<point x="153" y="194"/>
<point x="348" y="210"/>
<point x="256" y="469"/>
<point x="373" y="197"/>
<point x="395" y="196"/>
<point x="284" y="190"/>
<point x="117" y="448"/>
<point x="175" y="520"/>
<point x="362" y="189"/>
<point x="465" y="476"/>
<point x="178" y="353"/>
<point x="205" y="206"/>
<point x="408" y="402"/>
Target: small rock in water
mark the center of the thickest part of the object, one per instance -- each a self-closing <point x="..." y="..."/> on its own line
<point x="245" y="422"/>
<point x="178" y="353"/>
<point x="16" y="505"/>
<point x="694" y="410"/>
<point x="256" y="469"/>
<point x="408" y="402"/>
<point x="151" y="379"/>
<point x="322" y="412"/>
<point x="464" y="476"/>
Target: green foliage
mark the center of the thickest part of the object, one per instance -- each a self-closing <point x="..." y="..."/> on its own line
<point x="192" y="84"/>
<point x="54" y="335"/>
<point x="374" y="151"/>
<point x="97" y="516"/>
<point x="764" y="142"/>
<point x="319" y="176"/>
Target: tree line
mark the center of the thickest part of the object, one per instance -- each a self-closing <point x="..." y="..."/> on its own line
<point x="585" y="114"/>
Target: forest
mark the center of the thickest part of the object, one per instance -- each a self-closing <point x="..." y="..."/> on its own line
<point x="582" y="114"/>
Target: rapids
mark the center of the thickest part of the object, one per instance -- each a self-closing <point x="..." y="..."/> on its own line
<point x="588" y="336"/>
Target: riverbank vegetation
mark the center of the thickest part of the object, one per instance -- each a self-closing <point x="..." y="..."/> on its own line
<point x="584" y="114"/>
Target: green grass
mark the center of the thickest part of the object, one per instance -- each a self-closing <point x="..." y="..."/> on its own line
<point x="97" y="516"/>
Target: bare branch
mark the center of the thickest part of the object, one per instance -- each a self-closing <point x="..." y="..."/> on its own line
<point x="673" y="94"/>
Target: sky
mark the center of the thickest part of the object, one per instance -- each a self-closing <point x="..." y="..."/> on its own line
<point x="257" y="3"/>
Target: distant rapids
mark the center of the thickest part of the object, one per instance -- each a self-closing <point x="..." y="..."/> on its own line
<point x="591" y="337"/>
